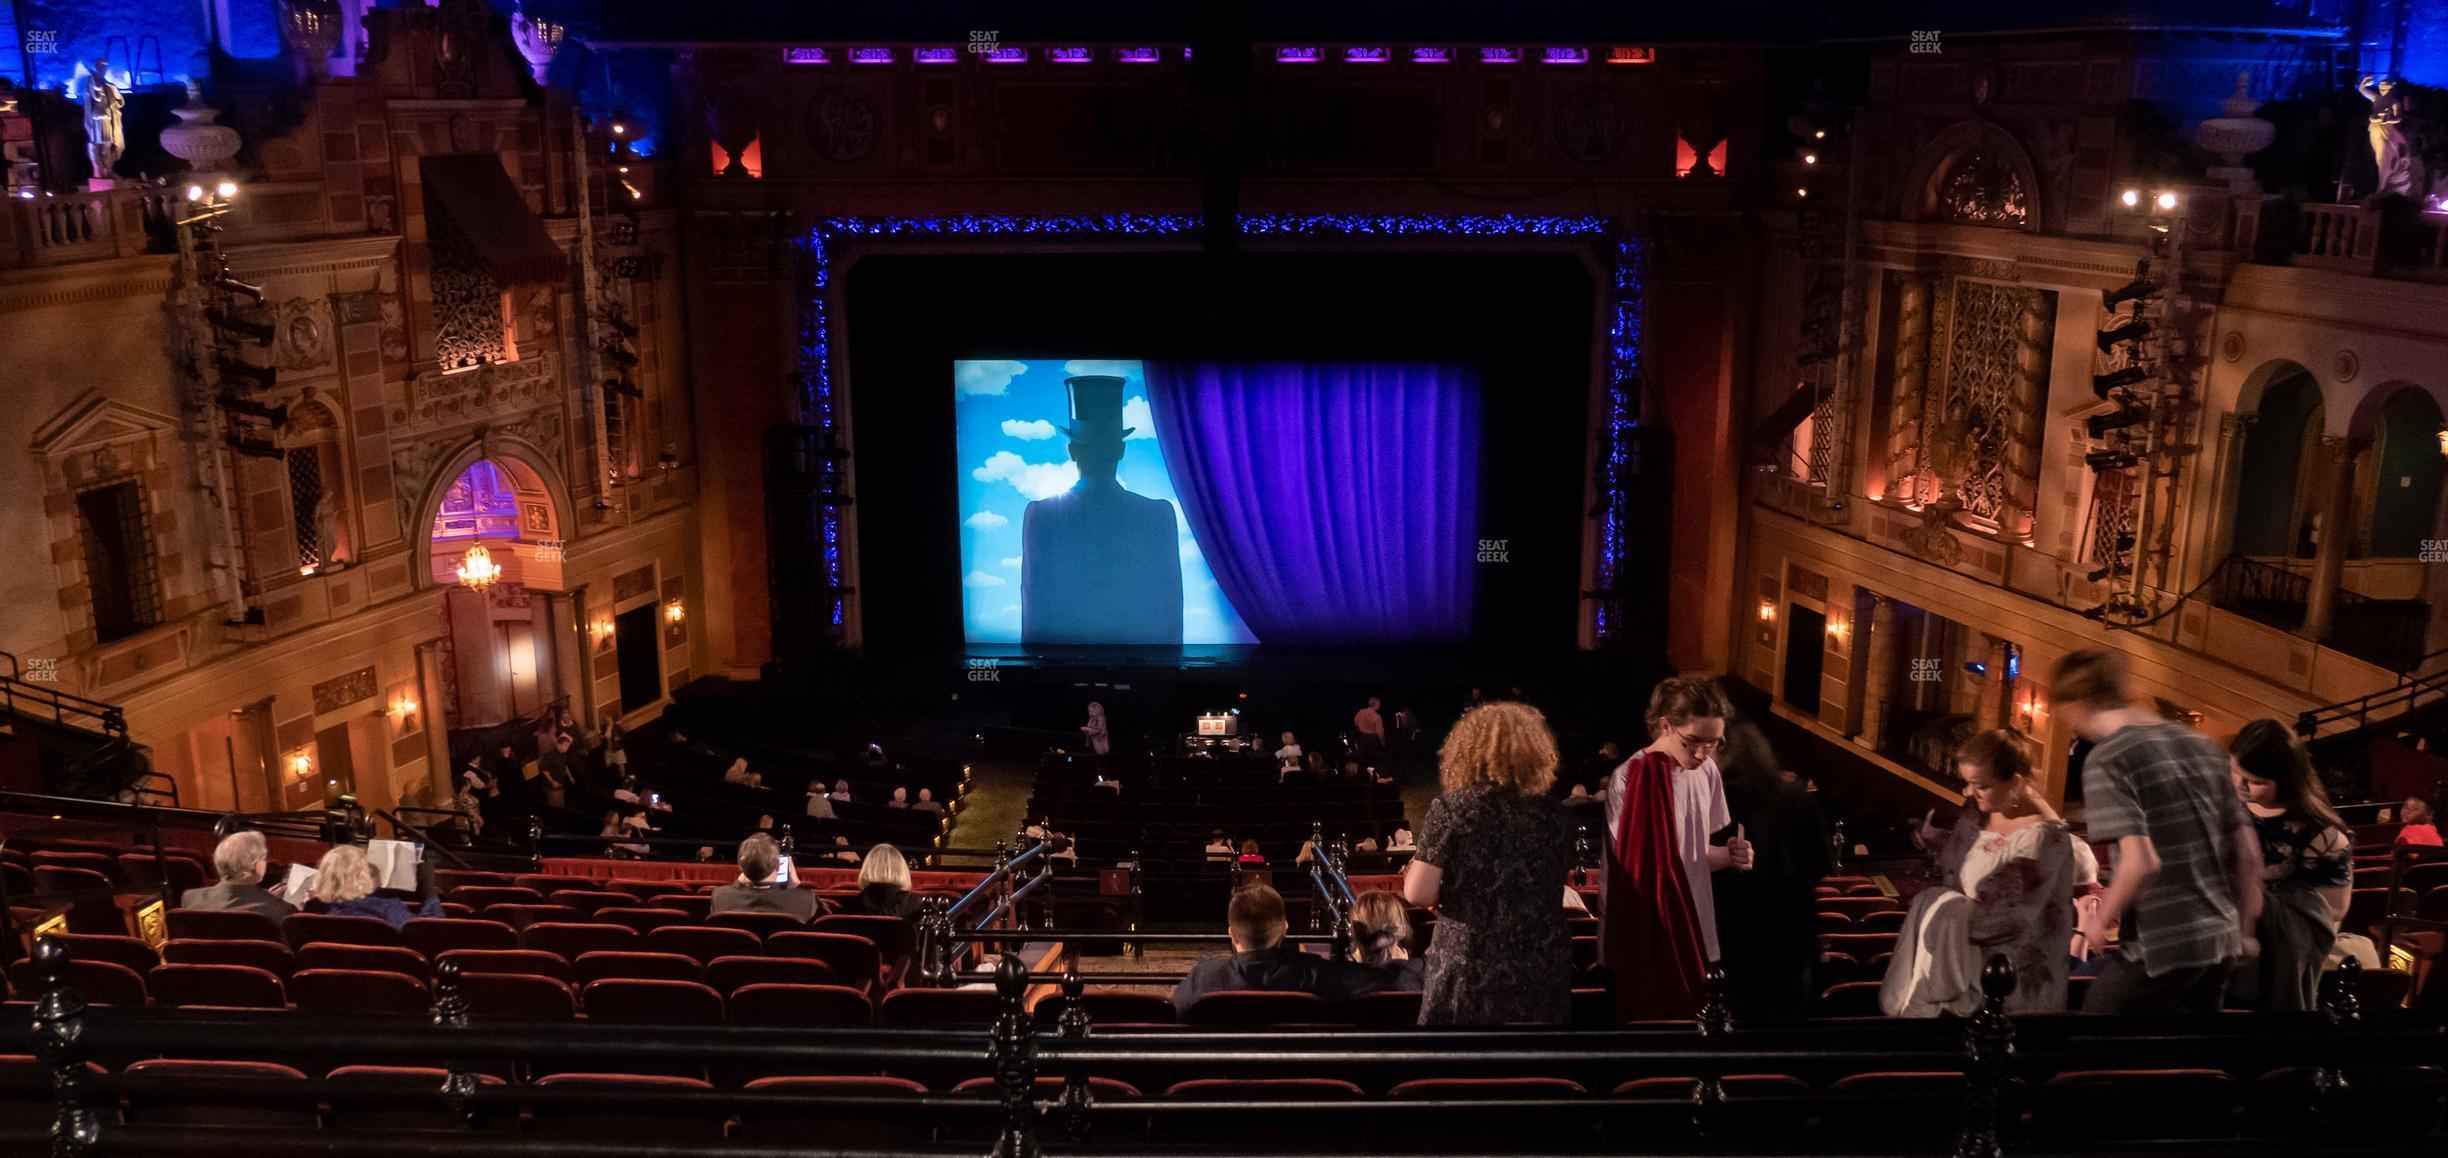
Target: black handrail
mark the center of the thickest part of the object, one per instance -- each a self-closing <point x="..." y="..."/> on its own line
<point x="2403" y="694"/>
<point x="1001" y="874"/>
<point x="422" y="836"/>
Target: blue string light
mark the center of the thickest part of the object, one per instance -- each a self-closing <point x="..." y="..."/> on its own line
<point x="823" y="243"/>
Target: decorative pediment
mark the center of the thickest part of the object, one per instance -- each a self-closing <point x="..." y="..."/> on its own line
<point x="94" y="421"/>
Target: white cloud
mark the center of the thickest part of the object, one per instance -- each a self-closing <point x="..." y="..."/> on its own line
<point x="1011" y="562"/>
<point x="988" y="521"/>
<point x="1138" y="419"/>
<point x="1119" y="368"/>
<point x="1031" y="431"/>
<point x="1034" y="480"/>
<point x="972" y="379"/>
<point x="981" y="579"/>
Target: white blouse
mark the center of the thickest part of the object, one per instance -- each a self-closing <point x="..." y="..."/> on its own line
<point x="1996" y="848"/>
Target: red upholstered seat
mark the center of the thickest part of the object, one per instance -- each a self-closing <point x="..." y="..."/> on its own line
<point x="1487" y="1130"/>
<point x="391" y="1098"/>
<point x="99" y="982"/>
<point x="892" y="936"/>
<point x="521" y="916"/>
<point x="839" y="1125"/>
<point x="853" y="959"/>
<point x="729" y="974"/>
<point x="452" y="879"/>
<point x="1384" y="1010"/>
<point x="652" y="1002"/>
<point x="625" y="1118"/>
<point x="1107" y="1006"/>
<point x="589" y="901"/>
<point x="1916" y="1106"/>
<point x="105" y="863"/>
<point x="1333" y="1124"/>
<point x="1858" y="946"/>
<point x="981" y="1130"/>
<point x="95" y="912"/>
<point x="696" y="905"/>
<point x="218" y="1093"/>
<point x="1833" y="922"/>
<point x="644" y="920"/>
<point x="381" y="958"/>
<point x="646" y="892"/>
<point x="530" y="961"/>
<point x="1849" y="999"/>
<point x="596" y="966"/>
<point x="269" y="956"/>
<point x="759" y="924"/>
<point x="704" y="942"/>
<point x="2163" y="1103"/>
<point x="302" y="929"/>
<point x="571" y="939"/>
<point x="128" y="951"/>
<point x="1884" y="921"/>
<point x="2365" y="908"/>
<point x="1252" y="1007"/>
<point x="1757" y="1119"/>
<point x="358" y="991"/>
<point x="223" y="925"/>
<point x="230" y="986"/>
<point x="431" y="937"/>
<point x="799" y="1006"/>
<point x="480" y="897"/>
<point x="939" y="1007"/>
<point x="518" y="997"/>
<point x="1856" y="906"/>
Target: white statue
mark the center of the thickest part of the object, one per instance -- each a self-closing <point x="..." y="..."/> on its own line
<point x="2392" y="152"/>
<point x="105" y="134"/>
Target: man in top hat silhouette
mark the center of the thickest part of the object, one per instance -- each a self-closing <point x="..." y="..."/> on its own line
<point x="1099" y="564"/>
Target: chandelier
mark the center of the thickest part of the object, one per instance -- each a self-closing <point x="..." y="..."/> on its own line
<point x="477" y="570"/>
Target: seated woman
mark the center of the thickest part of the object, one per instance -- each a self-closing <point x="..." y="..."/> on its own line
<point x="622" y="822"/>
<point x="840" y="793"/>
<point x="1219" y="848"/>
<point x="1381" y="944"/>
<point x="900" y="799"/>
<point x="884" y="885"/>
<point x="343" y="886"/>
<point x="2011" y="868"/>
<point x="2417" y="822"/>
<point x="1250" y="854"/>
<point x="819" y="805"/>
<point x="2307" y="860"/>
<point x="739" y="774"/>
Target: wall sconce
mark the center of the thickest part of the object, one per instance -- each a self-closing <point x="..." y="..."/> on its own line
<point x="301" y="765"/>
<point x="601" y="630"/>
<point x="1839" y="630"/>
<point x="402" y="709"/>
<point x="2032" y="712"/>
<point x="673" y="612"/>
<point x="1767" y="611"/>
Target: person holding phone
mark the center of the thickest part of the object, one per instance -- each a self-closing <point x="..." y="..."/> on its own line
<point x="767" y="884"/>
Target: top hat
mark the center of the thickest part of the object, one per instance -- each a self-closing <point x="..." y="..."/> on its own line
<point x="1096" y="409"/>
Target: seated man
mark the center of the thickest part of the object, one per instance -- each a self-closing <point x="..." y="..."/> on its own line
<point x="240" y="859"/>
<point x="1260" y="959"/>
<point x="759" y="860"/>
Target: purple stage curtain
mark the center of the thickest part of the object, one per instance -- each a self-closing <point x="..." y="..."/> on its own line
<point x="1336" y="503"/>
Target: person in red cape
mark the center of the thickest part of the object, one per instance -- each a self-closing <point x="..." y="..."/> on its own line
<point x="1663" y="804"/>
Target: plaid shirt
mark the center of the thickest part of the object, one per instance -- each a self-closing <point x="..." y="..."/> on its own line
<point x="2168" y="783"/>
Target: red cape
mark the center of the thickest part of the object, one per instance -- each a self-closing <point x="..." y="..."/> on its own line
<point x="1651" y="939"/>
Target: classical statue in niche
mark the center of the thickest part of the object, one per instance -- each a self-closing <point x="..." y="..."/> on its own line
<point x="2392" y="147"/>
<point x="105" y="131"/>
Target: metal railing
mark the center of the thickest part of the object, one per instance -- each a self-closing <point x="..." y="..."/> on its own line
<point x="2410" y="692"/>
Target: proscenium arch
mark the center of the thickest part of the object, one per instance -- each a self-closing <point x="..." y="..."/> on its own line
<point x="1938" y="157"/>
<point x="518" y="455"/>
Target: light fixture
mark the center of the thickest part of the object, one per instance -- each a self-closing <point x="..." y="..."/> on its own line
<point x="306" y="570"/>
<point x="674" y="612"/>
<point x="2443" y="439"/>
<point x="1810" y="158"/>
<point x="195" y="192"/>
<point x="477" y="570"/>
<point x="2167" y="202"/>
<point x="300" y="764"/>
<point x="2131" y="198"/>
<point x="1837" y="630"/>
<point x="1818" y="134"/>
<point x="619" y="129"/>
<point x="226" y="190"/>
<point x="1767" y="611"/>
<point x="1800" y="191"/>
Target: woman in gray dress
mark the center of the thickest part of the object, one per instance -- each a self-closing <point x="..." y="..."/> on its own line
<point x="1492" y="855"/>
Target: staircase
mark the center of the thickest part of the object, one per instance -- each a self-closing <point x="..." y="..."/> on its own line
<point x="2395" y="720"/>
<point x="62" y="744"/>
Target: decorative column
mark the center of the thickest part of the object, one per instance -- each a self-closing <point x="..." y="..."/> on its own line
<point x="1990" y="712"/>
<point x="1901" y="447"/>
<point x="438" y="773"/>
<point x="2035" y="334"/>
<point x="2329" y="563"/>
<point x="1878" y="681"/>
<point x="547" y="644"/>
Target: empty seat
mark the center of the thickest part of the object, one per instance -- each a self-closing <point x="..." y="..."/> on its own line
<point x="569" y="940"/>
<point x="529" y="961"/>
<point x="520" y="917"/>
<point x="596" y="966"/>
<point x="1923" y="1107"/>
<point x="1832" y="922"/>
<point x="231" y="986"/>
<point x="1883" y="921"/>
<point x="696" y="905"/>
<point x="704" y="942"/>
<point x="128" y="951"/>
<point x="1746" y="1113"/>
<point x="1114" y="1007"/>
<point x="174" y="874"/>
<point x="431" y="937"/>
<point x="451" y="879"/>
<point x="1486" y="1131"/>
<point x="223" y="925"/>
<point x="728" y="974"/>
<point x="1251" y="1007"/>
<point x="940" y="1007"/>
<point x="218" y="1093"/>
<point x="843" y="1126"/>
<point x="106" y="864"/>
<point x="2165" y="1103"/>
<point x="761" y="924"/>
<point x="376" y="958"/>
<point x="391" y="1098"/>
<point x="302" y="929"/>
<point x="799" y="1006"/>
<point x="94" y="910"/>
<point x="589" y="901"/>
<point x="269" y="956"/>
<point x="853" y="959"/>
<point x="546" y="885"/>
<point x="1856" y="906"/>
<point x="1333" y="1124"/>
<point x="628" y="1114"/>
<point x="358" y="991"/>
<point x="647" y="891"/>
<point x="99" y="982"/>
<point x="1850" y="999"/>
<point x="479" y="897"/>
<point x="652" y="1002"/>
<point x="518" y="997"/>
<point x="644" y="920"/>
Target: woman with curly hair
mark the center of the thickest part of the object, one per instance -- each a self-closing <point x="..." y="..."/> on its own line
<point x="1492" y="854"/>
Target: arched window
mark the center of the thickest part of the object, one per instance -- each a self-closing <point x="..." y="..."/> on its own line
<point x="1979" y="186"/>
<point x="2405" y="481"/>
<point x="2274" y="502"/>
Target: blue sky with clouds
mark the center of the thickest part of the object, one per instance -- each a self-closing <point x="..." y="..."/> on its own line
<point x="1010" y="454"/>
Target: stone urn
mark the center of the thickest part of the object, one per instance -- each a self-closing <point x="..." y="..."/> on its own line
<point x="2234" y="135"/>
<point x="196" y="139"/>
<point x="313" y="29"/>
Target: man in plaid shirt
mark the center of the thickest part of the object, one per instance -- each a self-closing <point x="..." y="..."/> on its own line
<point x="2187" y="877"/>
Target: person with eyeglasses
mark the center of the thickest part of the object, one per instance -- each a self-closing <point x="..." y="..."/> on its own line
<point x="1663" y="805"/>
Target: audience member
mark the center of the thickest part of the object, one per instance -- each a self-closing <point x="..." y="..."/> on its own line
<point x="1368" y="729"/>
<point x="900" y="799"/>
<point x="239" y="860"/>
<point x="1099" y="737"/>
<point x="2010" y="868"/>
<point x="1491" y="855"/>
<point x="1593" y="774"/>
<point x="1260" y="959"/>
<point x="2307" y="867"/>
<point x="477" y="790"/>
<point x="616" y="752"/>
<point x="1218" y="847"/>
<point x="1663" y="805"/>
<point x="343" y="886"/>
<point x="819" y="805"/>
<point x="840" y="793"/>
<point x="1250" y="854"/>
<point x="760" y="861"/>
<point x="1287" y="758"/>
<point x="1381" y="944"/>
<point x="2188" y="864"/>
<point x="842" y="852"/>
<point x="1402" y="841"/>
<point x="926" y="801"/>
<point x="1766" y="925"/>
<point x="626" y="823"/>
<point x="884" y="885"/>
<point x="2417" y="824"/>
<point x="739" y="774"/>
<point x="553" y="771"/>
